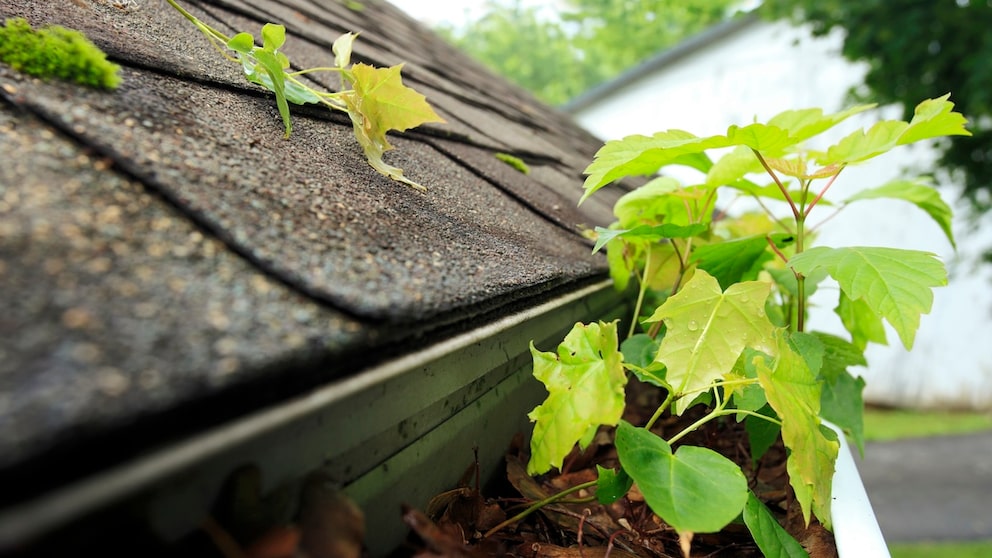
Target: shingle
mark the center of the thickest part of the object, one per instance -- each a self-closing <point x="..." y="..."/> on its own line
<point x="116" y="307"/>
<point x="168" y="260"/>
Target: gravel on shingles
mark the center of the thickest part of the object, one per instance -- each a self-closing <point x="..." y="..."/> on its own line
<point x="311" y="210"/>
<point x="115" y="306"/>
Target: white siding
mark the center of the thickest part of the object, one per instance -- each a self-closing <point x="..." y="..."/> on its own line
<point x="765" y="68"/>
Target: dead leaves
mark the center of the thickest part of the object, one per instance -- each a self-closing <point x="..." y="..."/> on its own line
<point x="315" y="520"/>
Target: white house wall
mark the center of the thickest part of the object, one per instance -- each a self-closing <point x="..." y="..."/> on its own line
<point x="765" y="68"/>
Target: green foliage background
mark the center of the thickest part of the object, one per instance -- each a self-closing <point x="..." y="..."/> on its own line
<point x="917" y="49"/>
<point x="594" y="41"/>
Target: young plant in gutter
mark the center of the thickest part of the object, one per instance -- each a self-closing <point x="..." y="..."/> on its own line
<point x="374" y="98"/>
<point x="727" y="327"/>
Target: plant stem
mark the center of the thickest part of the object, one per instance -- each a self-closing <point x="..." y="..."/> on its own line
<point x="800" y="278"/>
<point x="207" y="30"/>
<point x="781" y="187"/>
<point x="640" y="293"/>
<point x="678" y="254"/>
<point x="775" y="249"/>
<point x="771" y="214"/>
<point x="311" y="70"/>
<point x="696" y="425"/>
<point x="754" y="414"/>
<point x="717" y="413"/>
<point x="826" y="219"/>
<point x="661" y="409"/>
<point x="538" y="505"/>
<point x="683" y="258"/>
<point x="824" y="190"/>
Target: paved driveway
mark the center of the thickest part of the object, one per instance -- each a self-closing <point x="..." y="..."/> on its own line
<point x="931" y="488"/>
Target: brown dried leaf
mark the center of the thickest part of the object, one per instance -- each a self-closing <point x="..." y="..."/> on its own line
<point x="439" y="542"/>
<point x="333" y="526"/>
<point x="279" y="542"/>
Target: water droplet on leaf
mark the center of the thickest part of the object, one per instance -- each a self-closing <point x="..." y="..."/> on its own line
<point x="693" y="325"/>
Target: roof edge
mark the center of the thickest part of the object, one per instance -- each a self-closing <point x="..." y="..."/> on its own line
<point x="661" y="60"/>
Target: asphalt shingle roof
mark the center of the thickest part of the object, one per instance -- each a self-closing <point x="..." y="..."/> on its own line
<point x="168" y="260"/>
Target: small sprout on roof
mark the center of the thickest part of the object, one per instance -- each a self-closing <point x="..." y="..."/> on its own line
<point x="374" y="98"/>
<point x="55" y="51"/>
<point x="515" y="162"/>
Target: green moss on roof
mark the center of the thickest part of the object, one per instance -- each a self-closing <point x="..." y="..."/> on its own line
<point x="55" y="51"/>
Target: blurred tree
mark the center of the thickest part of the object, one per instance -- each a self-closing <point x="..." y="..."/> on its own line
<point x="560" y="55"/>
<point x="918" y="49"/>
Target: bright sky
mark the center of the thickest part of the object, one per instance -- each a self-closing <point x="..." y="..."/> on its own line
<point x="457" y="12"/>
<point x="432" y="12"/>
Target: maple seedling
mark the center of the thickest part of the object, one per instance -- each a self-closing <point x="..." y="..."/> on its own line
<point x="375" y="99"/>
<point x="728" y="325"/>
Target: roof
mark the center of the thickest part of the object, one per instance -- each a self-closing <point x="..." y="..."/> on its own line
<point x="169" y="261"/>
<point x="661" y="61"/>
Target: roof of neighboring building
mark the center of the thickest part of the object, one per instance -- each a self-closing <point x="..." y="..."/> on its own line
<point x="660" y="61"/>
<point x="169" y="261"/>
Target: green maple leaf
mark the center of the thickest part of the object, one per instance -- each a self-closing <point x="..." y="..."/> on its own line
<point x="611" y="485"/>
<point x="794" y="393"/>
<point x="694" y="489"/>
<point x="803" y="124"/>
<point x="771" y="538"/>
<point x="737" y="260"/>
<point x="379" y="103"/>
<point x="864" y="325"/>
<point x="392" y="105"/>
<point x="266" y="66"/>
<point x="733" y="167"/>
<point x="708" y="329"/>
<point x="621" y="266"/>
<point x="585" y="381"/>
<point x="895" y="284"/>
<point x="838" y="355"/>
<point x="761" y="434"/>
<point x="920" y="194"/>
<point x="639" y="155"/>
<point x="664" y="200"/>
<point x="861" y="145"/>
<point x="841" y="402"/>
<point x="644" y="155"/>
<point x="651" y="203"/>
<point x="647" y="233"/>
<point x="934" y="118"/>
<point x="760" y="137"/>
<point x="746" y="397"/>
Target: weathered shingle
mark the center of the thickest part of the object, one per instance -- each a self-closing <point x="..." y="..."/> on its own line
<point x="168" y="260"/>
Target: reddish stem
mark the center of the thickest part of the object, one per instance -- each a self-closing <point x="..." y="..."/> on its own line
<point x="781" y="187"/>
<point x="775" y="249"/>
<point x="824" y="190"/>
